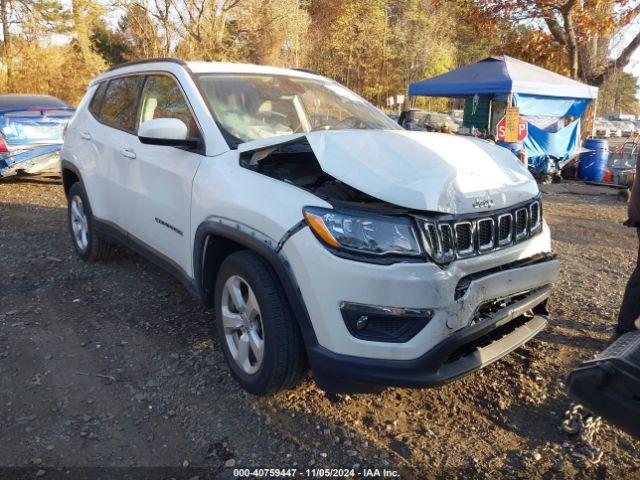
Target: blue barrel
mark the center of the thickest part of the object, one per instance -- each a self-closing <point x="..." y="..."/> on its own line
<point x="593" y="164"/>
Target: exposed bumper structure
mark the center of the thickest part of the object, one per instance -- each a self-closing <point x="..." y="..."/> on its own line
<point x="45" y="158"/>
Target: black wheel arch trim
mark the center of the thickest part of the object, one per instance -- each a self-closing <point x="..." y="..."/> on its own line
<point x="266" y="250"/>
<point x="67" y="165"/>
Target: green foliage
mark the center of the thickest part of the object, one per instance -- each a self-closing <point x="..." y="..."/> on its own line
<point x="618" y="94"/>
<point x="111" y="46"/>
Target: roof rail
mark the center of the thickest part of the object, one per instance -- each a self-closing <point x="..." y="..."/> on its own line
<point x="148" y="60"/>
<point x="305" y="70"/>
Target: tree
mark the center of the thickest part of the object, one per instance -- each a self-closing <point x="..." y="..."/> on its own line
<point x="140" y="33"/>
<point x="475" y="34"/>
<point x="28" y="18"/>
<point x="111" y="46"/>
<point x="580" y="28"/>
<point x="618" y="93"/>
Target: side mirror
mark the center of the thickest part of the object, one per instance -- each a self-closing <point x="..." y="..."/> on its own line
<point x="170" y="132"/>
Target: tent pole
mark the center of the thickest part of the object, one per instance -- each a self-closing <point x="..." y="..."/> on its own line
<point x="490" y="117"/>
<point x="593" y="117"/>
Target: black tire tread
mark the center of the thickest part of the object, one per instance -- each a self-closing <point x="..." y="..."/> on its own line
<point x="99" y="249"/>
<point x="290" y="360"/>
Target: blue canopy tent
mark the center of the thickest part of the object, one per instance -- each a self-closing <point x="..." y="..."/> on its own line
<point x="536" y="91"/>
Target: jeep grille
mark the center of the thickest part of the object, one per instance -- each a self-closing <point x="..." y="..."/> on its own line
<point x="449" y="237"/>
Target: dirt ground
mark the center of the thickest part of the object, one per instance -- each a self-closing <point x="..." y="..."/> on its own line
<point x="114" y="364"/>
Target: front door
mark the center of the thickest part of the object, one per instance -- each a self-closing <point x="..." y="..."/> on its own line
<point x="160" y="177"/>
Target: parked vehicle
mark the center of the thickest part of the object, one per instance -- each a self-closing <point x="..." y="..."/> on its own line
<point x="395" y="118"/>
<point x="321" y="232"/>
<point x="602" y="129"/>
<point x="614" y="129"/>
<point x="31" y="131"/>
<point x="412" y="119"/>
<point x="457" y="115"/>
<point x="435" y="122"/>
<point x="627" y="128"/>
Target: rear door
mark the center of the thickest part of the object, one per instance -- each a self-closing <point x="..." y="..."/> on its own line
<point x="112" y="137"/>
<point x="160" y="177"/>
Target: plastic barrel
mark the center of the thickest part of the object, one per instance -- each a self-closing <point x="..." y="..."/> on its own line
<point x="594" y="163"/>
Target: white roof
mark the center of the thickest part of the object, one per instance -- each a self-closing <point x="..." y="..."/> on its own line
<point x="201" y="67"/>
<point x="229" y="67"/>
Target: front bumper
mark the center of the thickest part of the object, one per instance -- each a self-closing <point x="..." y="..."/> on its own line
<point x="326" y="282"/>
<point x="461" y="353"/>
<point x="453" y="295"/>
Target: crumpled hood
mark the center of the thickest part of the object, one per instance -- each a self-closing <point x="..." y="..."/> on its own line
<point x="420" y="170"/>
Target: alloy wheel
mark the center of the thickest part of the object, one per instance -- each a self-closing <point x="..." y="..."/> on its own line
<point x="79" y="223"/>
<point x="242" y="323"/>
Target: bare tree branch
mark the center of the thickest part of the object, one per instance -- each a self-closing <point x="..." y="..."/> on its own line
<point x="618" y="63"/>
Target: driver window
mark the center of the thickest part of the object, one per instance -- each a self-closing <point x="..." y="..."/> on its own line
<point x="162" y="98"/>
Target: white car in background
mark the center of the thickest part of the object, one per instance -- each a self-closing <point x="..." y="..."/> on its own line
<point x="602" y="129"/>
<point x="615" y="130"/>
<point x="321" y="232"/>
<point x="628" y="128"/>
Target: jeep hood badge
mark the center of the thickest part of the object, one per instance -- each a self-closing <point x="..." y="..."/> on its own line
<point x="483" y="203"/>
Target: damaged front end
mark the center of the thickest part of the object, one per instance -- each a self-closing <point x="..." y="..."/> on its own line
<point x="294" y="161"/>
<point x="428" y="222"/>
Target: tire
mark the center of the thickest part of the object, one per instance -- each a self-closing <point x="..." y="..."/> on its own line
<point x="263" y="322"/>
<point x="89" y="246"/>
<point x="624" y="195"/>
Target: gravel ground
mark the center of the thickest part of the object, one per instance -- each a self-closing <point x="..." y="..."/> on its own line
<point x="114" y="364"/>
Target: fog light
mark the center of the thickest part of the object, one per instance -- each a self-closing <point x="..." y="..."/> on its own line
<point x="384" y="324"/>
<point x="362" y="322"/>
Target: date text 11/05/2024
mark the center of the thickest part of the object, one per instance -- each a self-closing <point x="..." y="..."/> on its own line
<point x="315" y="473"/>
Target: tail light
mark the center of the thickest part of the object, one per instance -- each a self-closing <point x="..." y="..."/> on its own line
<point x="3" y="145"/>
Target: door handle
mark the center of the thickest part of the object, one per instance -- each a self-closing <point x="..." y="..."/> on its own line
<point x="85" y="135"/>
<point x="128" y="152"/>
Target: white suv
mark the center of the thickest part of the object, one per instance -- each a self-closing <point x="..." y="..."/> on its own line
<point x="321" y="232"/>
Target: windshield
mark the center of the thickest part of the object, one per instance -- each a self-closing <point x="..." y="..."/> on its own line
<point x="251" y="107"/>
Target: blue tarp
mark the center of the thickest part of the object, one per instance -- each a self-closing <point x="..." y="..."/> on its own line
<point x="550" y="106"/>
<point x="536" y="91"/>
<point x="502" y="75"/>
<point x="546" y="151"/>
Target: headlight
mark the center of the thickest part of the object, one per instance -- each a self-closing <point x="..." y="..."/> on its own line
<point x="363" y="233"/>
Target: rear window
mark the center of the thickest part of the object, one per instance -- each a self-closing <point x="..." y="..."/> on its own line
<point x="96" y="101"/>
<point x="119" y="105"/>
